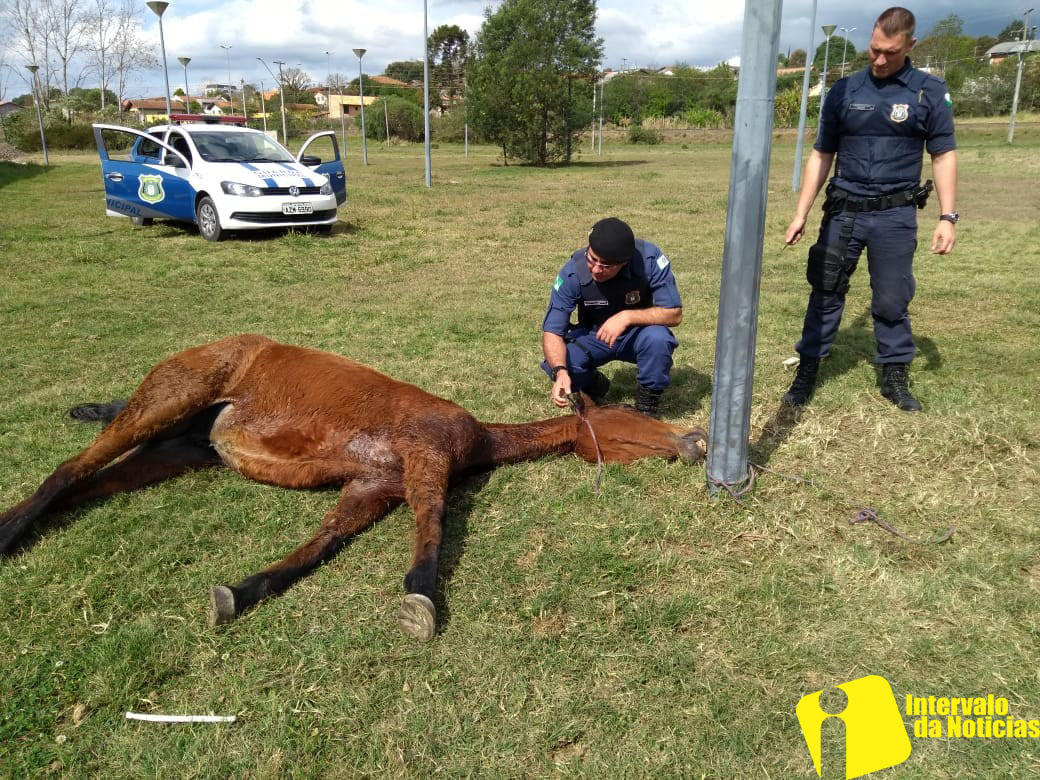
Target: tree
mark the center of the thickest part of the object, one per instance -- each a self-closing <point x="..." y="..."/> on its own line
<point x="1013" y="31"/>
<point x="129" y="52"/>
<point x="797" y="59"/>
<point x="529" y="86"/>
<point x="406" y="71"/>
<point x="945" y="44"/>
<point x="101" y="20"/>
<point x="24" y="18"/>
<point x="66" y="30"/>
<point x="404" y="117"/>
<point x="449" y="49"/>
<point x="294" y="83"/>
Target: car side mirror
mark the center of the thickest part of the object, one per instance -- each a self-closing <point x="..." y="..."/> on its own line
<point x="310" y="160"/>
<point x="175" y="161"/>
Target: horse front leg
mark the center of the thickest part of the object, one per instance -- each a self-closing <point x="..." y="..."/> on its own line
<point x="426" y="487"/>
<point x="360" y="504"/>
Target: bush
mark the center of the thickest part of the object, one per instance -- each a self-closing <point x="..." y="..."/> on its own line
<point x="704" y="117"/>
<point x="637" y="134"/>
<point x="451" y="128"/>
<point x="404" y="117"/>
<point x="23" y="131"/>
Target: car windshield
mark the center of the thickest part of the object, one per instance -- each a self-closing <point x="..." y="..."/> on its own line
<point x="239" y="147"/>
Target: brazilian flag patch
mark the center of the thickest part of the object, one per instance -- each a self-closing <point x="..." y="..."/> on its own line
<point x="949" y="100"/>
<point x="558" y="283"/>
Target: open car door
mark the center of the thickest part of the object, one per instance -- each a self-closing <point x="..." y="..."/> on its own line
<point x="144" y="177"/>
<point x="326" y="153"/>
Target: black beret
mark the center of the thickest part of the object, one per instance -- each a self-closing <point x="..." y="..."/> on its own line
<point x="612" y="240"/>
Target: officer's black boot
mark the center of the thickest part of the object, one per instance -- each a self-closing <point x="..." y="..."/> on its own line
<point x="895" y="387"/>
<point x="598" y="388"/>
<point x="804" y="381"/>
<point x="648" y="401"/>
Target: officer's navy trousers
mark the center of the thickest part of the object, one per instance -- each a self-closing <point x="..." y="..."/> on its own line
<point x="890" y="238"/>
<point x="650" y="347"/>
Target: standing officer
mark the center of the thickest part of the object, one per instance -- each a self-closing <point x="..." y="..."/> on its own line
<point x="876" y="121"/>
<point x="627" y="300"/>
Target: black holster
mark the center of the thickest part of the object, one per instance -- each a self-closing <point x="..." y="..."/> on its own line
<point x="826" y="270"/>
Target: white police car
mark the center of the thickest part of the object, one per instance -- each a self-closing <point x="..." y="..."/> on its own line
<point x="220" y="175"/>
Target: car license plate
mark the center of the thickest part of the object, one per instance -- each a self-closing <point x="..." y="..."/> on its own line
<point x="297" y="208"/>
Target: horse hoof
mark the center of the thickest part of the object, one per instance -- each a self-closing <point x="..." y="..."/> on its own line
<point x="417" y="617"/>
<point x="221" y="605"/>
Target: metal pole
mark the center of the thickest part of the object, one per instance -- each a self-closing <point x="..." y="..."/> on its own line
<point x="342" y="120"/>
<point x="187" y="100"/>
<point x="361" y="91"/>
<point x="742" y="252"/>
<point x="845" y="48"/>
<point x="245" y="111"/>
<point x="796" y="177"/>
<point x="39" y="116"/>
<point x="595" y="87"/>
<point x="1018" y="77"/>
<point x="828" y="29"/>
<point x="601" y="85"/>
<point x="230" y="86"/>
<point x="263" y="104"/>
<point x="328" y="82"/>
<point x="281" y="99"/>
<point x="158" y="6"/>
<point x="386" y="118"/>
<point x="426" y="92"/>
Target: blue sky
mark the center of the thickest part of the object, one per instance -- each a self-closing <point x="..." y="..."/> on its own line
<point x="636" y="33"/>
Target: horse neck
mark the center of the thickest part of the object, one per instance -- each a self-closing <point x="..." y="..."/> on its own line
<point x="513" y="442"/>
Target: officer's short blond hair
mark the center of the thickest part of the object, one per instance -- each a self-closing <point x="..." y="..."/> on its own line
<point x="896" y="21"/>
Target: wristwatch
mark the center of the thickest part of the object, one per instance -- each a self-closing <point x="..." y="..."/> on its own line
<point x="555" y="370"/>
<point x="953" y="217"/>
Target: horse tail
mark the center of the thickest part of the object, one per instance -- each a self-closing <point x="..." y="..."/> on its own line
<point x="102" y="413"/>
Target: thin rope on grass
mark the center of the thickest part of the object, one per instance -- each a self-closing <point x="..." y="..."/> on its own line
<point x="865" y="514"/>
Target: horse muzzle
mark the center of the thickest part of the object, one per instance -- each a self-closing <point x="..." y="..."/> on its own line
<point x="693" y="446"/>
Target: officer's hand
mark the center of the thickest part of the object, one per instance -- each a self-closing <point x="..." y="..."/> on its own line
<point x="944" y="237"/>
<point x="561" y="389"/>
<point x="795" y="231"/>
<point x="611" y="330"/>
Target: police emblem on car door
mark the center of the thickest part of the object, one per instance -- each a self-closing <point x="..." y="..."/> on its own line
<point x="150" y="189"/>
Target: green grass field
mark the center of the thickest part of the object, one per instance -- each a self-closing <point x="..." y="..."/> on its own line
<point x="656" y="631"/>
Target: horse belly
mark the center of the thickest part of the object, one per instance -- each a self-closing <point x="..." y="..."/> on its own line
<point x="298" y="454"/>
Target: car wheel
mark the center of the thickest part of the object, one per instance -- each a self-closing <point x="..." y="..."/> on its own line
<point x="141" y="221"/>
<point x="208" y="220"/>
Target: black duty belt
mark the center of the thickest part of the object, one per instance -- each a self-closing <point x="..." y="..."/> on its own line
<point x="840" y="200"/>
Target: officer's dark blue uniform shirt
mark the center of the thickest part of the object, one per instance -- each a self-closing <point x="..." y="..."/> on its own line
<point x="645" y="281"/>
<point x="879" y="128"/>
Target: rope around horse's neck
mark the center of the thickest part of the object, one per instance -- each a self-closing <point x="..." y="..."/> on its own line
<point x="579" y="409"/>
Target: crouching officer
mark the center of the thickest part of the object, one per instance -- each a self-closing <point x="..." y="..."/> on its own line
<point x="627" y="301"/>
<point x="877" y="121"/>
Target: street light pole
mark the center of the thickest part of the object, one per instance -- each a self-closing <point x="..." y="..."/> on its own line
<point x="1018" y="76"/>
<point x="426" y="94"/>
<point x="845" y="48"/>
<point x="796" y="176"/>
<point x="231" y="87"/>
<point x="158" y="7"/>
<point x="828" y="30"/>
<point x="328" y="82"/>
<point x="187" y="100"/>
<point x="281" y="93"/>
<point x="361" y="92"/>
<point x="39" y="116"/>
<point x="263" y="104"/>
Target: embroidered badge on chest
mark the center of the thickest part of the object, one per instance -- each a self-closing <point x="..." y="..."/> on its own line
<point x="900" y="112"/>
<point x="631" y="297"/>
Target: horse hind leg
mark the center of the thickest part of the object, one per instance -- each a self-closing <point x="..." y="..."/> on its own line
<point x="173" y="391"/>
<point x="97" y="412"/>
<point x="361" y="503"/>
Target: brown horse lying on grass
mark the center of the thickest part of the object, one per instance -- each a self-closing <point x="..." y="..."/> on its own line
<point x="300" y="418"/>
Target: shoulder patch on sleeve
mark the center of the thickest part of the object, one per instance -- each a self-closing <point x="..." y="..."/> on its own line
<point x="948" y="99"/>
<point x="558" y="283"/>
<point x="662" y="262"/>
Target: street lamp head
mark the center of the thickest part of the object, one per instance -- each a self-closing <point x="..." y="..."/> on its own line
<point x="32" y="68"/>
<point x="184" y="61"/>
<point x="828" y="29"/>
<point x="158" y="6"/>
<point x="360" y="53"/>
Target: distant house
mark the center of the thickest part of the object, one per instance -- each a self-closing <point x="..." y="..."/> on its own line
<point x="320" y="95"/>
<point x="348" y="104"/>
<point x="1007" y="49"/>
<point x="7" y="108"/>
<point x="149" y="110"/>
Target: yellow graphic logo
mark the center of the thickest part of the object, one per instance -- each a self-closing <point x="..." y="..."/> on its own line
<point x="875" y="737"/>
<point x="150" y="189"/>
